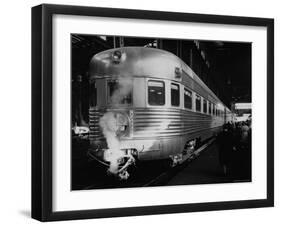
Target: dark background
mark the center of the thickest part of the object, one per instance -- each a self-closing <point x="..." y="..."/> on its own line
<point x="225" y="67"/>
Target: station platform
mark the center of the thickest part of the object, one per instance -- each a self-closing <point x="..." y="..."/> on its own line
<point x="206" y="169"/>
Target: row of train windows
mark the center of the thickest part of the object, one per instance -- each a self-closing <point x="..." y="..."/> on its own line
<point x="156" y="94"/>
<point x="156" y="97"/>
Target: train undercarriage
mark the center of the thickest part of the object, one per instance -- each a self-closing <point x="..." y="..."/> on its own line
<point x="120" y="162"/>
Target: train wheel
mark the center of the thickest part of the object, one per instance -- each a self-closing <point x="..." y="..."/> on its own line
<point x="189" y="148"/>
<point x="176" y="160"/>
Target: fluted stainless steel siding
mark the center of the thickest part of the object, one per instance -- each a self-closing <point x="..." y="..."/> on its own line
<point x="160" y="122"/>
<point x="94" y="117"/>
<point x="171" y="122"/>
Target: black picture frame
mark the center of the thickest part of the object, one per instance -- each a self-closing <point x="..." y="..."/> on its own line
<point x="42" y="106"/>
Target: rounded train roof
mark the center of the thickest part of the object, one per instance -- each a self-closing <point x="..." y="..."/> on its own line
<point x="135" y="61"/>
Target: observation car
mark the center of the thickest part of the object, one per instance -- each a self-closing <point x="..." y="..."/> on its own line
<point x="147" y="104"/>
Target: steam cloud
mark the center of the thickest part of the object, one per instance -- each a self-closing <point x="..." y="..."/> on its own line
<point x="125" y="86"/>
<point x="109" y="125"/>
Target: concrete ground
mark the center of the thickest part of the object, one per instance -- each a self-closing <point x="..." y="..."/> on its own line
<point x="207" y="169"/>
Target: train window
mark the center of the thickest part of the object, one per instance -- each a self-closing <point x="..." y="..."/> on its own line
<point x="204" y="106"/>
<point x="187" y="98"/>
<point x="93" y="94"/>
<point x="175" y="94"/>
<point x="198" y="103"/>
<point x="119" y="93"/>
<point x="156" y="92"/>
<point x="214" y="109"/>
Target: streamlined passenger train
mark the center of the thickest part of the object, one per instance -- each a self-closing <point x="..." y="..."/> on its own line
<point x="147" y="104"/>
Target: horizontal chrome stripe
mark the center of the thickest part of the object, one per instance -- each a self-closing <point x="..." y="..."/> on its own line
<point x="159" y="122"/>
<point x="164" y="134"/>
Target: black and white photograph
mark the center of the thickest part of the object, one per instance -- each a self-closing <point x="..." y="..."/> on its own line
<point x="149" y="111"/>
